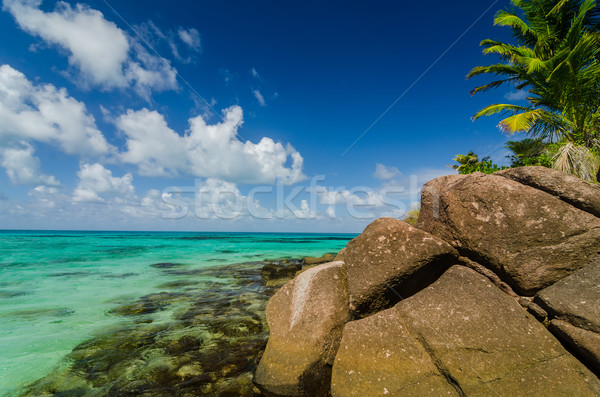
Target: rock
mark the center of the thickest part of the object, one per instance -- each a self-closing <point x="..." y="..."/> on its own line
<point x="584" y="344"/>
<point x="530" y="238"/>
<point x="466" y="337"/>
<point x="305" y="318"/>
<point x="309" y="260"/>
<point x="185" y="344"/>
<point x="378" y="355"/>
<point x="273" y="271"/>
<point x="166" y="265"/>
<point x="329" y="257"/>
<point x="188" y="371"/>
<point x="537" y="312"/>
<point x="569" y="188"/>
<point x="340" y="255"/>
<point x="390" y="261"/>
<point x="575" y="299"/>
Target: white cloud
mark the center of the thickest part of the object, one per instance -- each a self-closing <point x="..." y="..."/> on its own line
<point x="368" y="197"/>
<point x="384" y="173"/>
<point x="254" y="73"/>
<point x="212" y="151"/>
<point x="22" y="167"/>
<point x="259" y="97"/>
<point x="191" y="37"/>
<point x="101" y="51"/>
<point x="519" y="95"/>
<point x="96" y="181"/>
<point x="46" y="114"/>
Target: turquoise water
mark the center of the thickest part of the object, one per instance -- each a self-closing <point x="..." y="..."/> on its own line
<point x="57" y="289"/>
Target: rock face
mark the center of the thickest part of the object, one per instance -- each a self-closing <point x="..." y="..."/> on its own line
<point x="390" y="261"/>
<point x="574" y="303"/>
<point x="569" y="188"/>
<point x="528" y="237"/>
<point x="459" y="336"/>
<point x="305" y="319"/>
<point x="576" y="298"/>
<point x="497" y="292"/>
<point x="584" y="344"/>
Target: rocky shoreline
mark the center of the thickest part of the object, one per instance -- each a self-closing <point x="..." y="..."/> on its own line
<point x="495" y="292"/>
<point x="210" y="342"/>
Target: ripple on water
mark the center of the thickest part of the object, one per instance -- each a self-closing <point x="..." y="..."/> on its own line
<point x="36" y="313"/>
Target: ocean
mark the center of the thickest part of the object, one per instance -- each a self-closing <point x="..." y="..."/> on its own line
<point x="137" y="313"/>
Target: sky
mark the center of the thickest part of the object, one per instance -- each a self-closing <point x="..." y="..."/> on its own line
<point x="229" y="115"/>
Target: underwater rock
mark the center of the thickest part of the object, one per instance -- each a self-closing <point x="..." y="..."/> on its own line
<point x="166" y="265"/>
<point x="210" y="344"/>
<point x="272" y="271"/>
<point x="147" y="304"/>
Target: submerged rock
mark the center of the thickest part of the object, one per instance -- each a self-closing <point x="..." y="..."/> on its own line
<point x="166" y="265"/>
<point x="528" y="237"/>
<point x="211" y="345"/>
<point x="147" y="304"/>
<point x="390" y="261"/>
<point x="305" y="319"/>
<point x="272" y="271"/>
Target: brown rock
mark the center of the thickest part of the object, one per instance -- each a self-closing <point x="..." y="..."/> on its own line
<point x="378" y="356"/>
<point x="340" y="255"/>
<point x="390" y="261"/>
<point x="309" y="260"/>
<point x="575" y="299"/>
<point x="569" y="188"/>
<point x="305" y="318"/>
<point x="273" y="271"/>
<point x="465" y="331"/>
<point x="528" y="237"/>
<point x="584" y="344"/>
<point x="329" y="257"/>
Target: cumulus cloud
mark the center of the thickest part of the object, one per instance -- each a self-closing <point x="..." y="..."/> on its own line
<point x="95" y="181"/>
<point x="213" y="151"/>
<point x="259" y="97"/>
<point x="191" y="37"/>
<point x="369" y="197"/>
<point x="385" y="173"/>
<point x="103" y="53"/>
<point x="46" y="114"/>
<point x="22" y="167"/>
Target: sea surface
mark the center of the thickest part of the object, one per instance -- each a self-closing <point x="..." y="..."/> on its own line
<point x="66" y="296"/>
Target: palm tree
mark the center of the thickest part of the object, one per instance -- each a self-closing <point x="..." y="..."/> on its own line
<point x="526" y="151"/>
<point x="466" y="161"/>
<point x="556" y="59"/>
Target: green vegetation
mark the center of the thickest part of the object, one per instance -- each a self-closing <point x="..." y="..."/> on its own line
<point x="556" y="60"/>
<point x="412" y="216"/>
<point x="469" y="163"/>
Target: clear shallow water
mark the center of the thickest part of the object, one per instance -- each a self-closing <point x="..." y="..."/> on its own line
<point x="57" y="289"/>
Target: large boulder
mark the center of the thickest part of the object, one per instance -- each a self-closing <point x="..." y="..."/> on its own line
<point x="305" y="319"/>
<point x="390" y="261"/>
<point x="528" y="237"/>
<point x="459" y="336"/>
<point x="569" y="188"/>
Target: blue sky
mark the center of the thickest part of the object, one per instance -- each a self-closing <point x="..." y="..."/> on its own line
<point x="235" y="115"/>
